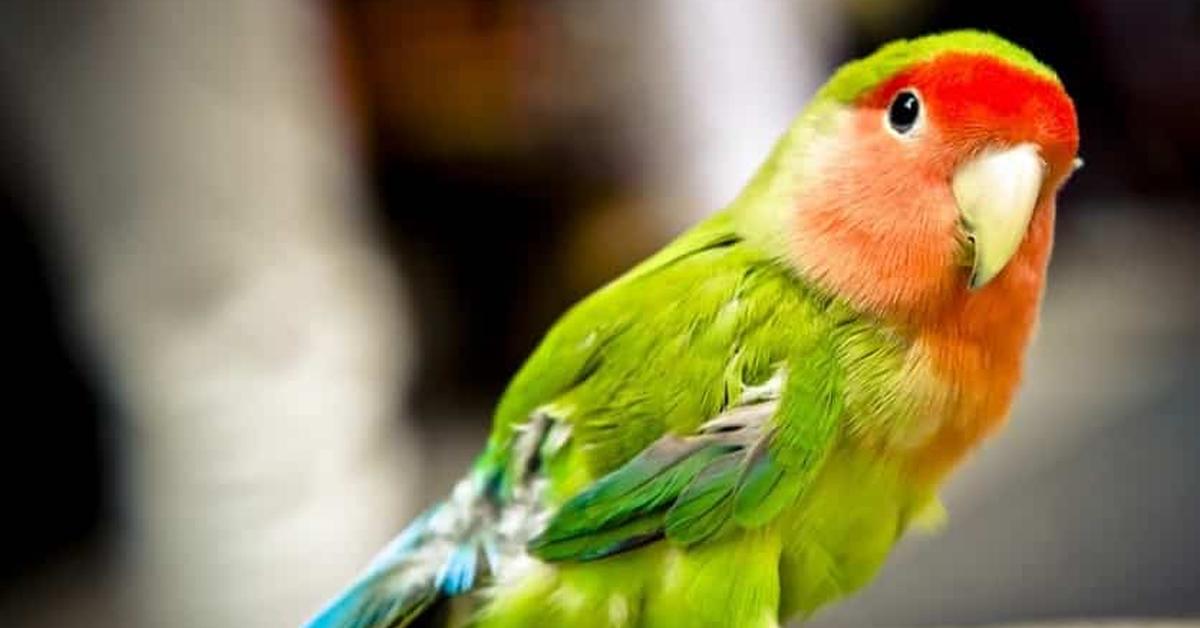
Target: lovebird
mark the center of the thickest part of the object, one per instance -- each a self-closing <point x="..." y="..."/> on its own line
<point x="737" y="430"/>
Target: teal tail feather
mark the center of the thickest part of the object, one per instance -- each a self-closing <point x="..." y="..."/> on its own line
<point x="438" y="555"/>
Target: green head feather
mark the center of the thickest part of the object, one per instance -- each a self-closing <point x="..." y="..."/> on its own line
<point x="857" y="77"/>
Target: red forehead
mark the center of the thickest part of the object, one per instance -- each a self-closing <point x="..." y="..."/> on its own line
<point x="977" y="97"/>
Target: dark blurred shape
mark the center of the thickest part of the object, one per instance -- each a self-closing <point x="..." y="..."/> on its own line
<point x="52" y="473"/>
<point x="1152" y="60"/>
<point x="443" y="78"/>
<point x="478" y="172"/>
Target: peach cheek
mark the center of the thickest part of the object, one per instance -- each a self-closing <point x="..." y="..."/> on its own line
<point x="878" y="224"/>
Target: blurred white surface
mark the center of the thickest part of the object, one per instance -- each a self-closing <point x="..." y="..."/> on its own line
<point x="208" y="211"/>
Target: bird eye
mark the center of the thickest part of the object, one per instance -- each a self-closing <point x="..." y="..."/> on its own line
<point x="904" y="111"/>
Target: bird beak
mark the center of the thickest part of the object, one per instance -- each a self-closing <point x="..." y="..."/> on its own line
<point x="996" y="193"/>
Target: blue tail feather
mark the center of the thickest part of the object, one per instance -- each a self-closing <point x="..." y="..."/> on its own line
<point x="458" y="574"/>
<point x="437" y="555"/>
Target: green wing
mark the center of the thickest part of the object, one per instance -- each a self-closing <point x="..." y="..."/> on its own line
<point x="742" y="468"/>
<point x="693" y="393"/>
<point x="576" y="346"/>
<point x="681" y="486"/>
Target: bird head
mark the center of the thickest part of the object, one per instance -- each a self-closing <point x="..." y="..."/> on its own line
<point x="926" y="174"/>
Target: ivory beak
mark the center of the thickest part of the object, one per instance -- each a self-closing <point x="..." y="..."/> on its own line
<point x="996" y="193"/>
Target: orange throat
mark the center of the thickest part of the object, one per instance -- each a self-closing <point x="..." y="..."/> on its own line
<point x="976" y="345"/>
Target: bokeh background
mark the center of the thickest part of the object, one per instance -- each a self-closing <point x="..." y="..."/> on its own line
<point x="269" y="262"/>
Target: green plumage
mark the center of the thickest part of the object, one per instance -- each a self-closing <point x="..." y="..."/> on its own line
<point x="637" y="372"/>
<point x="699" y="443"/>
<point x="858" y="76"/>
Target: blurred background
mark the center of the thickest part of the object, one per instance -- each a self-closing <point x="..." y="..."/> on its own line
<point x="269" y="264"/>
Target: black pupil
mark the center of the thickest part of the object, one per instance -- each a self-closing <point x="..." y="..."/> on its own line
<point x="902" y="115"/>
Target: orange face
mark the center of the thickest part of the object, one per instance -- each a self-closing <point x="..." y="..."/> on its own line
<point x="883" y="226"/>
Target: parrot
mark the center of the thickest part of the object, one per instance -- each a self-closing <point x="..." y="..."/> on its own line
<point x="737" y="430"/>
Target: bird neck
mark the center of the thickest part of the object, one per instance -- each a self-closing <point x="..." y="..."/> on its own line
<point x="975" y="344"/>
